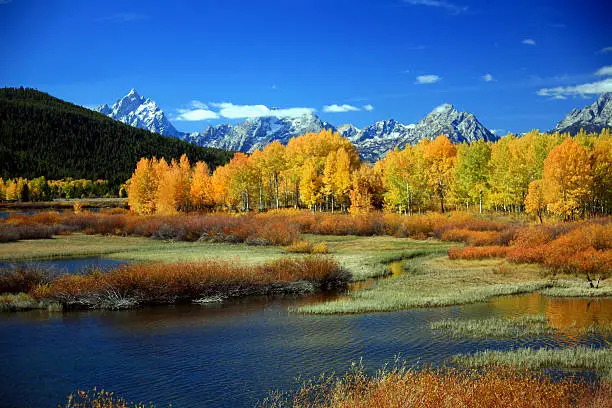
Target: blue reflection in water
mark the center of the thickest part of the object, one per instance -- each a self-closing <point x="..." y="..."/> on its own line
<point x="220" y="355"/>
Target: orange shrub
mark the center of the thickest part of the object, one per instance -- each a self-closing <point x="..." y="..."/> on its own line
<point x="168" y="283"/>
<point x="429" y="388"/>
<point x="472" y="252"/>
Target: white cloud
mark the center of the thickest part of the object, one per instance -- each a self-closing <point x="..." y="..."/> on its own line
<point x="427" y="79"/>
<point x="605" y="50"/>
<point x="368" y="107"/>
<point x="340" y="108"/>
<point x="194" y="115"/>
<point x="453" y="8"/>
<point x="198" y="105"/>
<point x="488" y="78"/>
<point x="441" y="108"/>
<point x="231" y="111"/>
<point x="528" y="41"/>
<point x="604" y="71"/>
<point x="593" y="88"/>
<point x="197" y="111"/>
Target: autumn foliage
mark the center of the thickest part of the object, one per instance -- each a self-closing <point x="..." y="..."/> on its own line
<point x="137" y="284"/>
<point x="432" y="388"/>
<point x="541" y="174"/>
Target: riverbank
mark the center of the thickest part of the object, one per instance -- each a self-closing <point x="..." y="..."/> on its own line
<point x="428" y="277"/>
<point x="136" y="285"/>
<point x="429" y="388"/>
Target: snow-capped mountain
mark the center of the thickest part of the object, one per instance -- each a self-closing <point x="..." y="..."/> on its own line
<point x="376" y="140"/>
<point x="347" y="130"/>
<point x="591" y="118"/>
<point x="255" y="133"/>
<point x="372" y="142"/>
<point x="139" y="112"/>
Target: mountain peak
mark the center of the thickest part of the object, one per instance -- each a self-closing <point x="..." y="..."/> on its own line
<point x="139" y="112"/>
<point x="592" y="118"/>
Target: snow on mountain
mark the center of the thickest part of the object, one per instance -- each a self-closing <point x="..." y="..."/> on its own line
<point x="255" y="133"/>
<point x="591" y="118"/>
<point x="347" y="130"/>
<point x="139" y="112"/>
<point x="373" y="142"/>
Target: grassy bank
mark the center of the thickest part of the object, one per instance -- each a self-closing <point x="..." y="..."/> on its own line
<point x="495" y="327"/>
<point x="135" y="285"/>
<point x="580" y="357"/>
<point x="434" y="280"/>
<point x="428" y="388"/>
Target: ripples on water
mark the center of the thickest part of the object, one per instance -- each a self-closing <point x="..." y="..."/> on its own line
<point x="232" y="354"/>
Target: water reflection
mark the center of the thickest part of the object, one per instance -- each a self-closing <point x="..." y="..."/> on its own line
<point x="569" y="316"/>
<point x="69" y="265"/>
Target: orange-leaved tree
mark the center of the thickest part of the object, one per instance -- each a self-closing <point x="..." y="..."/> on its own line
<point x="568" y="179"/>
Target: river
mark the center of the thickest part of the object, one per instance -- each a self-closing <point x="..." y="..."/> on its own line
<point x="232" y="354"/>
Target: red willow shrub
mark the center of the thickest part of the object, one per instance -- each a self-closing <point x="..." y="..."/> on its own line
<point x="471" y="252"/>
<point x="498" y="387"/>
<point x="131" y="285"/>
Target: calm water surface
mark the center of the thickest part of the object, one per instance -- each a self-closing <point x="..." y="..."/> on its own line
<point x="232" y="354"/>
<point x="72" y="265"/>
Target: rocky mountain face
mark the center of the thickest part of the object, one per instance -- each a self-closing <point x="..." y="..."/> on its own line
<point x="376" y="140"/>
<point x="372" y="142"/>
<point x="141" y="113"/>
<point x="591" y="118"/>
<point x="255" y="133"/>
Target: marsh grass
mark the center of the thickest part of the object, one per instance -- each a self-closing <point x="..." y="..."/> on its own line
<point x="576" y="287"/>
<point x="495" y="327"/>
<point x="100" y="399"/>
<point x="139" y="284"/>
<point x="445" y="387"/>
<point x="433" y="281"/>
<point x="580" y="357"/>
<point x="23" y="301"/>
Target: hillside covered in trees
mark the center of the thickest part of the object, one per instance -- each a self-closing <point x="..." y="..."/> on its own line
<point x="44" y="136"/>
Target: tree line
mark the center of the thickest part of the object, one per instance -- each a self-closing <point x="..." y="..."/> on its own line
<point x="41" y="189"/>
<point x="538" y="173"/>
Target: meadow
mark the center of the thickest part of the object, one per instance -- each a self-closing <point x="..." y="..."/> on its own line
<point x="429" y="260"/>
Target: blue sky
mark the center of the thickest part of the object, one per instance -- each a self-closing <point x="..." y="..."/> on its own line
<point x="517" y="65"/>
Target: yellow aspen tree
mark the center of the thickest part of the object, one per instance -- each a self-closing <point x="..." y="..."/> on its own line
<point x="342" y="177"/>
<point x="439" y="157"/>
<point x="184" y="180"/>
<point x="568" y="179"/>
<point x="329" y="172"/>
<point x="534" y="202"/>
<point x="310" y="184"/>
<point x="142" y="187"/>
<point x="362" y="191"/>
<point x="169" y="181"/>
<point x="602" y="173"/>
<point x="200" y="189"/>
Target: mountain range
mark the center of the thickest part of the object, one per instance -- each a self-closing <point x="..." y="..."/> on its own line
<point x="372" y="142"/>
<point x="592" y="118"/>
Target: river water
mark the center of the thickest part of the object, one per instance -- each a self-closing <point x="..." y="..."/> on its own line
<point x="232" y="354"/>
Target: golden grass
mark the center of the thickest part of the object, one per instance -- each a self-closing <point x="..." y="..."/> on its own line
<point x="429" y="388"/>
